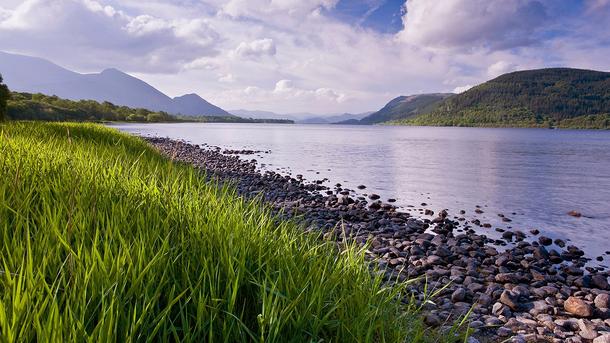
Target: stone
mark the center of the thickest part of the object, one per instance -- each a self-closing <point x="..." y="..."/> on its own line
<point x="484" y="300"/>
<point x="432" y="319"/>
<point x="600" y="281"/>
<point x="540" y="307"/>
<point x="587" y="329"/>
<point x="458" y="295"/>
<point x="575" y="214"/>
<point x="510" y="299"/>
<point x="602" y="300"/>
<point x="504" y="332"/>
<point x="605" y="338"/>
<point x="541" y="253"/>
<point x="509" y="278"/>
<point x="499" y="309"/>
<point x="545" y="240"/>
<point x="578" y="307"/>
<point x="434" y="260"/>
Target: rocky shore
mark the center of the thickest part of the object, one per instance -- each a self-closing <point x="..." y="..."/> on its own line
<point x="531" y="290"/>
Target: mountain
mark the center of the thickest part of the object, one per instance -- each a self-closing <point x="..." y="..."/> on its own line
<point x="37" y="75"/>
<point x="193" y="104"/>
<point x="333" y="118"/>
<point x="259" y="114"/>
<point x="404" y="107"/>
<point x="561" y="97"/>
<point x="300" y="118"/>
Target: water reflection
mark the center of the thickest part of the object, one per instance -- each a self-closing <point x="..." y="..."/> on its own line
<point x="538" y="174"/>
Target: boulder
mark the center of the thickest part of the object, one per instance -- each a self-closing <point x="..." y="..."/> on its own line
<point x="578" y="307"/>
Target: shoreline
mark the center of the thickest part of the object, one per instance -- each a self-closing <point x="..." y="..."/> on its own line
<point x="526" y="291"/>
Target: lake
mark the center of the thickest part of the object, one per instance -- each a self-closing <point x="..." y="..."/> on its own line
<point x="532" y="176"/>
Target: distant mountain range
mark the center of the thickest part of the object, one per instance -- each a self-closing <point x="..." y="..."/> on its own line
<point x="37" y="75"/>
<point x="552" y="97"/>
<point x="301" y="118"/>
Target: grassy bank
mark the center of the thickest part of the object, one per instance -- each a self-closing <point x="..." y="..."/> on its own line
<point x="104" y="240"/>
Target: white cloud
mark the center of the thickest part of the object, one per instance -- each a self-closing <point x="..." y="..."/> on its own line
<point x="201" y="63"/>
<point x="461" y="89"/>
<point x="283" y="87"/>
<point x="290" y="56"/>
<point x="501" y="67"/>
<point x="493" y="24"/>
<point x="89" y="34"/>
<point x="256" y="48"/>
<point x="264" y="8"/>
<point x="228" y="78"/>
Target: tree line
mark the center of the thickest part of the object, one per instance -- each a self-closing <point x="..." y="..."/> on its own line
<point x="4" y="96"/>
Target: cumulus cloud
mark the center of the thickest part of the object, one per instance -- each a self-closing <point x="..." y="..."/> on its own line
<point x="493" y="24"/>
<point x="89" y="33"/>
<point x="257" y="48"/>
<point x="228" y="78"/>
<point x="461" y="89"/>
<point x="501" y="67"/>
<point x="292" y="55"/>
<point x="264" y="8"/>
<point x="283" y="87"/>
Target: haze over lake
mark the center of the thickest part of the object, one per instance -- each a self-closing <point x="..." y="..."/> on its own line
<point x="538" y="174"/>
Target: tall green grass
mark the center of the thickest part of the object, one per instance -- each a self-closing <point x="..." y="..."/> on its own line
<point x="103" y="239"/>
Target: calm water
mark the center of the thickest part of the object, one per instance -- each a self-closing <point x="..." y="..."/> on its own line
<point x="538" y="174"/>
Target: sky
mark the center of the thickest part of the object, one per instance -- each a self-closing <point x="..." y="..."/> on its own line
<point x="319" y="56"/>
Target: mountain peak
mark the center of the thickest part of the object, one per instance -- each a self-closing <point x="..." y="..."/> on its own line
<point x="111" y="70"/>
<point x="188" y="96"/>
<point x="32" y="74"/>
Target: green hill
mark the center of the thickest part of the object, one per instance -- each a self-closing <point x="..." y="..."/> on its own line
<point x="555" y="97"/>
<point x="404" y="107"/>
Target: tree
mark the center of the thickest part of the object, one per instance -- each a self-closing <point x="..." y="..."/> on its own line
<point x="4" y="96"/>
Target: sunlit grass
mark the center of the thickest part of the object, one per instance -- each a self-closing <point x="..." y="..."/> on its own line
<point x="103" y="239"/>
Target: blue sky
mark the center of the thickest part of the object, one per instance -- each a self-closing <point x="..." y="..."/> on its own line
<point x="380" y="15"/>
<point x="322" y="56"/>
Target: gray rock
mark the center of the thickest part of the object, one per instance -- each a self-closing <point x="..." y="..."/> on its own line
<point x="432" y="319"/>
<point x="458" y="295"/>
<point x="587" y="329"/>
<point x="545" y="240"/>
<point x="504" y="332"/>
<point x="602" y="300"/>
<point x="434" y="260"/>
<point x="499" y="309"/>
<point x="539" y="307"/>
<point x="605" y="338"/>
<point x="510" y="299"/>
<point x="484" y="300"/>
<point x="600" y="281"/>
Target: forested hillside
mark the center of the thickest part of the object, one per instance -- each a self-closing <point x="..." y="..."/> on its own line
<point x="557" y="97"/>
<point x="25" y="106"/>
<point x="404" y="107"/>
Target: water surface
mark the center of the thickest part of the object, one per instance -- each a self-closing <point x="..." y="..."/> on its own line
<point x="532" y="176"/>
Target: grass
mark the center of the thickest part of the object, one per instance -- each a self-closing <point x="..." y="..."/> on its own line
<point x="103" y="239"/>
